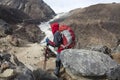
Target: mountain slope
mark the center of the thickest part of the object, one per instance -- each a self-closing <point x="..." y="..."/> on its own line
<point x="21" y="15"/>
<point x="96" y="25"/>
<point x="36" y="9"/>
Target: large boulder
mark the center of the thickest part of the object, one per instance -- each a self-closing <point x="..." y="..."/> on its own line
<point x="86" y="62"/>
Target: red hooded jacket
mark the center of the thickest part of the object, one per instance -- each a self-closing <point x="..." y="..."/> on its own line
<point x="57" y="41"/>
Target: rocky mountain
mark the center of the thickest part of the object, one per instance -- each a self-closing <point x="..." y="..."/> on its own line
<point x="96" y="25"/>
<point x="35" y="9"/>
<point x="21" y="18"/>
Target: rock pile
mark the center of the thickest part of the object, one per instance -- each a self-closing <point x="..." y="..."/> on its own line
<point x="13" y="70"/>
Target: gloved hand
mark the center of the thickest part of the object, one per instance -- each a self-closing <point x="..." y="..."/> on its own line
<point x="47" y="41"/>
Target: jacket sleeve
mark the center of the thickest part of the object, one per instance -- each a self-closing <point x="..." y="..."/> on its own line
<point x="51" y="43"/>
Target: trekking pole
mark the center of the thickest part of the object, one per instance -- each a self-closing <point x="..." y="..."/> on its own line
<point x="45" y="57"/>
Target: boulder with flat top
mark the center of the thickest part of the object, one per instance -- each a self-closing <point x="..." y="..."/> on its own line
<point x="90" y="63"/>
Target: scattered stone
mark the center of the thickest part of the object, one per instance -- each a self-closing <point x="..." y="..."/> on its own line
<point x="7" y="73"/>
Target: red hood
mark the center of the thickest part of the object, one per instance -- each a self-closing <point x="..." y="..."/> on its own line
<point x="54" y="27"/>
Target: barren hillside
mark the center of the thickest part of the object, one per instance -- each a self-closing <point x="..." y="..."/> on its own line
<point x="96" y="24"/>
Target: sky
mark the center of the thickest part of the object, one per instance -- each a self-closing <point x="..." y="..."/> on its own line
<point x="66" y="5"/>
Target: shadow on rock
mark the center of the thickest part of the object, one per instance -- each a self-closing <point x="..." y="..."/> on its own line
<point x="43" y="75"/>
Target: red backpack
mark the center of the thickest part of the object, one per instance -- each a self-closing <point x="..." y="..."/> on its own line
<point x="68" y="36"/>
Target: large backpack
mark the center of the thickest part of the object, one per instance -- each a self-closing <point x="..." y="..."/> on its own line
<point x="68" y="36"/>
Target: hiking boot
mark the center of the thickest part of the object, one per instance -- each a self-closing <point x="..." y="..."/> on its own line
<point x="53" y="75"/>
<point x="56" y="71"/>
<point x="56" y="74"/>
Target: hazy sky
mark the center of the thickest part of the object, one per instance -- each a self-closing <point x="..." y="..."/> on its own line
<point x="67" y="5"/>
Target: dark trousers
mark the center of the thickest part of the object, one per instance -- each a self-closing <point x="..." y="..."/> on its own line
<point x="58" y="65"/>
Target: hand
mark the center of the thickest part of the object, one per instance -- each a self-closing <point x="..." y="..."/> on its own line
<point x="47" y="40"/>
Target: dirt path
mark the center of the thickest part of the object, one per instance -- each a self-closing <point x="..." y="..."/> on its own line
<point x="32" y="56"/>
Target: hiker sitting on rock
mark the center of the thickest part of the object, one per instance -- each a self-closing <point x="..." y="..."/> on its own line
<point x="63" y="39"/>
